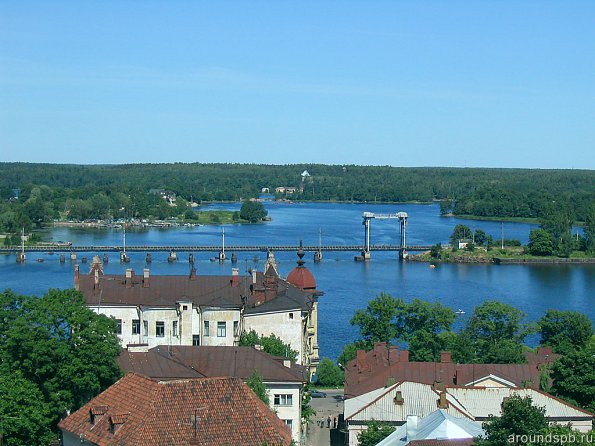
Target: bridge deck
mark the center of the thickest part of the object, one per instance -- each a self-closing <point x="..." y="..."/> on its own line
<point x="212" y="248"/>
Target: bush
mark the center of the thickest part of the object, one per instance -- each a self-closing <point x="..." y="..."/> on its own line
<point x="329" y="373"/>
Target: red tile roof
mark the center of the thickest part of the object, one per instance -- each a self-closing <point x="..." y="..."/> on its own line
<point x="164" y="362"/>
<point x="372" y="370"/>
<point x="206" y="411"/>
<point x="217" y="291"/>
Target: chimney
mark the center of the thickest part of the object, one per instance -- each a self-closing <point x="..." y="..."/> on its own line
<point x="96" y="278"/>
<point x="192" y="273"/>
<point x="398" y="399"/>
<point x="439" y="386"/>
<point x="360" y="358"/>
<point x="287" y="363"/>
<point x="235" y="273"/>
<point x="404" y="356"/>
<point x="116" y="422"/>
<point x="253" y="276"/>
<point x="96" y="413"/>
<point x="146" y="278"/>
<point x="412" y="429"/>
<point x="446" y="357"/>
<point x="442" y="402"/>
<point x="129" y="275"/>
<point x="76" y="277"/>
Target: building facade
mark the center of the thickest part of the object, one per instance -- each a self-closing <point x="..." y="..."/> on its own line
<point x="208" y="310"/>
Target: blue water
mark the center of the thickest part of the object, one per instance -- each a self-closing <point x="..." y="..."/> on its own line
<point x="347" y="285"/>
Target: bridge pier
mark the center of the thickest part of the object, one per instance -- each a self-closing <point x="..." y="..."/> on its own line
<point x="124" y="257"/>
<point x="172" y="257"/>
<point x="21" y="257"/>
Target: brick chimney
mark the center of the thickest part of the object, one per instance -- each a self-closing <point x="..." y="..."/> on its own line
<point x="235" y="273"/>
<point x="146" y="278"/>
<point x="361" y="358"/>
<point x="404" y="356"/>
<point x="442" y="401"/>
<point x="192" y="273"/>
<point x="129" y="276"/>
<point x="76" y="277"/>
<point x="445" y="357"/>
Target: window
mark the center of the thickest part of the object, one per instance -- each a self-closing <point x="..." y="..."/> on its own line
<point x="289" y="423"/>
<point x="135" y="326"/>
<point x="236" y="328"/>
<point x="160" y="329"/>
<point x="174" y="328"/>
<point x="119" y="329"/>
<point x="195" y="340"/>
<point x="283" y="400"/>
<point x="290" y="317"/>
<point x="221" y="329"/>
<point x="145" y="328"/>
<point x="184" y="307"/>
<point x="206" y="330"/>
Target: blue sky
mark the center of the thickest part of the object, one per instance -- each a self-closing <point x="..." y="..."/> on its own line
<point x="419" y="83"/>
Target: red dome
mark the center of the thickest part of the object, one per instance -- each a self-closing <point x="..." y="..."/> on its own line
<point x="301" y="277"/>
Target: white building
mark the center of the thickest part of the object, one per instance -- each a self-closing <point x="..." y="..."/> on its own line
<point x="439" y="425"/>
<point x="208" y="310"/>
<point x="283" y="379"/>
<point x="394" y="403"/>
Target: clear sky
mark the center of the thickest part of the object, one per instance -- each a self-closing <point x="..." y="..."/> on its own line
<point x="403" y="83"/>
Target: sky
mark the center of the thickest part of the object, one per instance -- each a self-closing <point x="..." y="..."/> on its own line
<point x="402" y="83"/>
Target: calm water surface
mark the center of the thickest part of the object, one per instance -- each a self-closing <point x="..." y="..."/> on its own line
<point x="347" y="285"/>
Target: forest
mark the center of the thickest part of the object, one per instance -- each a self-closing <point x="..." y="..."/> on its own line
<point x="33" y="194"/>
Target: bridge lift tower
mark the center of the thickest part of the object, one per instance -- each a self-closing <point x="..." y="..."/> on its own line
<point x="367" y="220"/>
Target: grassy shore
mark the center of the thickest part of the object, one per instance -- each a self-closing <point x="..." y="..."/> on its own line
<point x="480" y="255"/>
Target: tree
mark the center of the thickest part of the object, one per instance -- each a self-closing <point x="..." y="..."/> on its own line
<point x="24" y="414"/>
<point x="565" y="331"/>
<point x="375" y="433"/>
<point x="67" y="351"/>
<point x="540" y="243"/>
<point x="270" y="344"/>
<point x="519" y="417"/>
<point x="435" y="251"/>
<point x="253" y="211"/>
<point x="481" y="238"/>
<point x="557" y="220"/>
<point x="494" y="334"/>
<point x="590" y="230"/>
<point x="460" y="232"/>
<point x="377" y="323"/>
<point x="423" y="323"/>
<point x="256" y="383"/>
<point x="574" y="379"/>
<point x="329" y="374"/>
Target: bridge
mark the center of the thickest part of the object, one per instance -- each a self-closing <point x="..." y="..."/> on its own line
<point x="365" y="250"/>
<point x="210" y="248"/>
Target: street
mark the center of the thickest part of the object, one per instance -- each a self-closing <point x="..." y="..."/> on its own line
<point x="331" y="406"/>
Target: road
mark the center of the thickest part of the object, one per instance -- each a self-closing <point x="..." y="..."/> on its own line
<point x="331" y="406"/>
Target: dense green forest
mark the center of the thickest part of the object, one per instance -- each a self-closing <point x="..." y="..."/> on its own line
<point x="47" y="191"/>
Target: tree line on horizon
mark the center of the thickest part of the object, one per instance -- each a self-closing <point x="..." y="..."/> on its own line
<point x="47" y="191"/>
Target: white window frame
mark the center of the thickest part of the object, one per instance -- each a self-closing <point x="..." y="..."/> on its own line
<point x="283" y="399"/>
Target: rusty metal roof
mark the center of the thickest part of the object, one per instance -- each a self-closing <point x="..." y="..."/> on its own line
<point x="174" y="362"/>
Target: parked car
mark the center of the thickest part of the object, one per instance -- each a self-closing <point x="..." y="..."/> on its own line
<point x="317" y="394"/>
